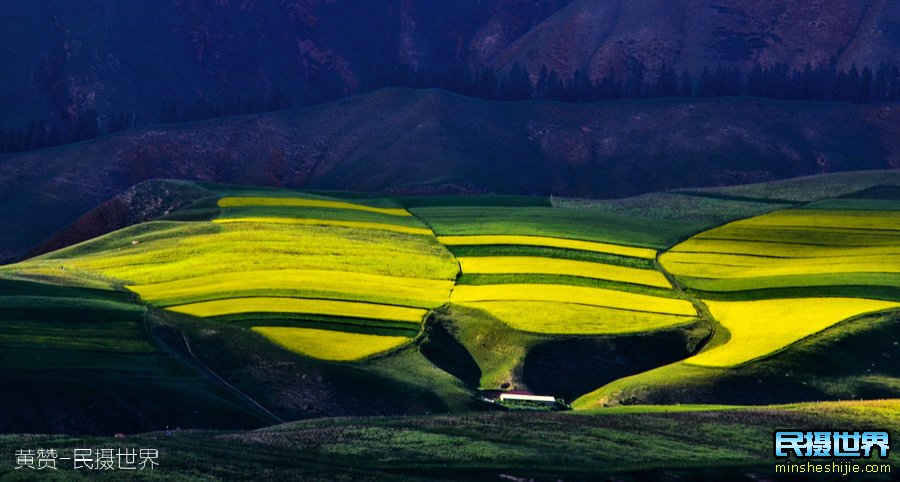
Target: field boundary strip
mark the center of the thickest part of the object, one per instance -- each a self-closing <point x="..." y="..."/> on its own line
<point x="561" y="318"/>
<point x="549" y="242"/>
<point x="208" y="287"/>
<point x="564" y="267"/>
<point x="573" y="294"/>
<point x="206" y="309"/>
<point x="330" y="345"/>
<point x="328" y="222"/>
<point x="236" y="201"/>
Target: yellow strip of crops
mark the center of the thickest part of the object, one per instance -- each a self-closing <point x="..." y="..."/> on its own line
<point x="329" y="345"/>
<point x="858" y="219"/>
<point x="572" y="294"/>
<point x="790" y="250"/>
<point x="328" y="222"/>
<point x="549" y="242"/>
<point x="573" y="319"/>
<point x="227" y="202"/>
<point x="714" y="265"/>
<point x="432" y="293"/>
<point x="761" y="328"/>
<point x="304" y="306"/>
<point x="585" y="269"/>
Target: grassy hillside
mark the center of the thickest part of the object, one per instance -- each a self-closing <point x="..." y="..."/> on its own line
<point x="778" y="285"/>
<point x="67" y="350"/>
<point x="637" y="444"/>
<point x="304" y="304"/>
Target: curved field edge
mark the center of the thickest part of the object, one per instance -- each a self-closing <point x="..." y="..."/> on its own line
<point x="233" y="306"/>
<point x="550" y="266"/>
<point x="330" y="284"/>
<point x="787" y="321"/>
<point x="558" y="318"/>
<point x="328" y="344"/>
<point x="226" y="202"/>
<point x="853" y="359"/>
<point x="548" y="242"/>
<point x="572" y="294"/>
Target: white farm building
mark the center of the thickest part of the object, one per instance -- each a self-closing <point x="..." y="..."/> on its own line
<point x="515" y="397"/>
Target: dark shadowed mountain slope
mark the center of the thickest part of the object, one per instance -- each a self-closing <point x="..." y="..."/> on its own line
<point x="599" y="35"/>
<point x="73" y="62"/>
<point x="431" y="141"/>
<point x="62" y="59"/>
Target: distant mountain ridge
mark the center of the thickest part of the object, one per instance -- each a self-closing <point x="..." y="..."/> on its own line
<point x="432" y="141"/>
<point x="599" y="35"/>
<point x="102" y="62"/>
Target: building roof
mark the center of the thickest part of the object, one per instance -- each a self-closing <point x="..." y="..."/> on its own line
<point x="528" y="398"/>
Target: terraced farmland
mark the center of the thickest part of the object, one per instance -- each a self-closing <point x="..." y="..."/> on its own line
<point x="270" y="305"/>
<point x="562" y="267"/>
<point x="548" y="242"/>
<point x="761" y="328"/>
<point x="775" y="279"/>
<point x="560" y="271"/>
<point x="792" y="249"/>
<point x="792" y="293"/>
<point x="235" y="306"/>
<point x="287" y="263"/>
<point x="514" y="287"/>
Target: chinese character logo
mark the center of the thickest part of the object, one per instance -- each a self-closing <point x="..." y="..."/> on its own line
<point x="830" y="444"/>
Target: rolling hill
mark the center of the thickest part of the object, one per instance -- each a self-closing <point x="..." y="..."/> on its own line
<point x="293" y="305"/>
<point x="431" y="142"/>
<point x="680" y="443"/>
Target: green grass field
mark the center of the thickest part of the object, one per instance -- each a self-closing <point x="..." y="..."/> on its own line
<point x="547" y="242"/>
<point x="565" y="223"/>
<point x="57" y="341"/>
<point x="563" y="267"/>
<point x="236" y="306"/>
<point x="315" y="305"/>
<point x="690" y="443"/>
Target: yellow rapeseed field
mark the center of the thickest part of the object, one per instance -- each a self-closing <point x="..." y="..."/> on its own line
<point x="302" y="306"/>
<point x="572" y="294"/>
<point x="792" y="243"/>
<point x="715" y="265"/>
<point x="300" y="283"/>
<point x="585" y="269"/>
<point x="782" y="249"/>
<point x="549" y="242"/>
<point x="330" y="345"/>
<point x="574" y="319"/>
<point x="227" y="202"/>
<point x="821" y="218"/>
<point x="760" y="328"/>
<point x="328" y="222"/>
<point x="258" y="246"/>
